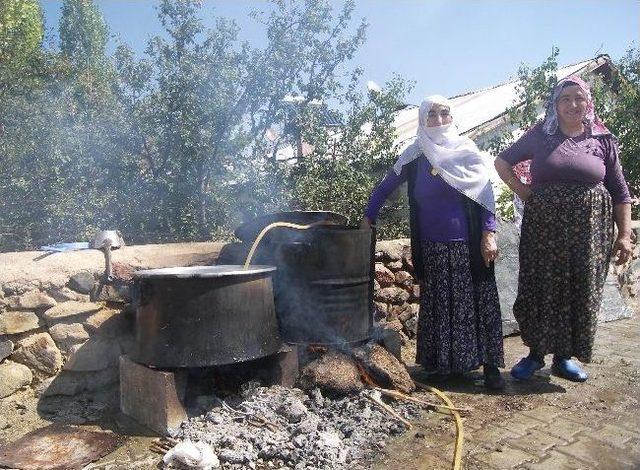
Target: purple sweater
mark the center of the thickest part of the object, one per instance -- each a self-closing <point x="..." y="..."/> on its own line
<point x="560" y="159"/>
<point x="440" y="210"/>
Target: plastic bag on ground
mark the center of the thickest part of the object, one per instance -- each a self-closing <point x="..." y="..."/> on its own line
<point x="199" y="455"/>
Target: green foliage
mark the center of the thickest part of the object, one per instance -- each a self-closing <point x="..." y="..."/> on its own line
<point x="21" y="30"/>
<point x="533" y="89"/>
<point x="348" y="161"/>
<point x="169" y="146"/>
<point x="623" y="117"/>
<point x="83" y="32"/>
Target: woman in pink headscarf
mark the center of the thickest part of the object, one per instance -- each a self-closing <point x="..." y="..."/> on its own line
<point x="577" y="192"/>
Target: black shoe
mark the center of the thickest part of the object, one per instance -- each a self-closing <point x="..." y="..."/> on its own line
<point x="492" y="378"/>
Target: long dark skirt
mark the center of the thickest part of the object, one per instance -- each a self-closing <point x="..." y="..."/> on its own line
<point x="565" y="249"/>
<point x="459" y="324"/>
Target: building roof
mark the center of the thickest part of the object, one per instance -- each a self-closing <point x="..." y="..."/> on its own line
<point x="479" y="111"/>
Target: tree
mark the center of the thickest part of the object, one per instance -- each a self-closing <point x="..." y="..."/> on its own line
<point x="21" y="30"/>
<point x="623" y="116"/>
<point x="348" y="159"/>
<point x="83" y="33"/>
<point x="61" y="147"/>
<point x="208" y="100"/>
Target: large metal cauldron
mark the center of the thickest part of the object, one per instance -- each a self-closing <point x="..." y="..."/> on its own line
<point x="324" y="282"/>
<point x="205" y="316"/>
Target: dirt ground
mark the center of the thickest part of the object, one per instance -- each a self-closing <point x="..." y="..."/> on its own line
<point x="544" y="423"/>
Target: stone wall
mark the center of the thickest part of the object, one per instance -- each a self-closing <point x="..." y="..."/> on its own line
<point x="62" y="329"/>
<point x="396" y="292"/>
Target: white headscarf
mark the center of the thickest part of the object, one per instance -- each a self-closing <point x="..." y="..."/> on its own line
<point x="456" y="158"/>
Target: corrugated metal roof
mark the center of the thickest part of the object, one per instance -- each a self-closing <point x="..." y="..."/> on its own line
<point x="476" y="108"/>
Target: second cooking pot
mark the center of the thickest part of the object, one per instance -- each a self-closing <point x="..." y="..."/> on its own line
<point x="204" y="316"/>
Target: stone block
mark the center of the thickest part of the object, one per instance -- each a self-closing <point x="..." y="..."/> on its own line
<point x="380" y="310"/>
<point x="615" y="435"/>
<point x="556" y="461"/>
<point x="95" y="354"/>
<point x="404" y="279"/>
<point x="391" y="340"/>
<point x="6" y="348"/>
<point x="537" y="442"/>
<point x="384" y="276"/>
<point x="392" y="295"/>
<point x="521" y="423"/>
<point x="69" y="383"/>
<point x="67" y="310"/>
<point x="14" y="322"/>
<point x="116" y="292"/>
<point x="394" y="265"/>
<point x="397" y="326"/>
<point x="564" y="428"/>
<point x="283" y="367"/>
<point x="154" y="398"/>
<point x="384" y="368"/>
<point x="64" y="294"/>
<point x="334" y="373"/>
<point x="67" y="335"/>
<point x="591" y="451"/>
<point x="390" y="250"/>
<point x="492" y="436"/>
<point x="411" y="326"/>
<point x="32" y="300"/>
<point x="545" y="413"/>
<point x="509" y="457"/>
<point x="13" y="377"/>
<point x="82" y="282"/>
<point x="39" y="352"/>
<point x="415" y="292"/>
<point x="107" y="322"/>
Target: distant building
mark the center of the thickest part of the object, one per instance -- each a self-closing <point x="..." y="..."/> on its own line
<point x="482" y="114"/>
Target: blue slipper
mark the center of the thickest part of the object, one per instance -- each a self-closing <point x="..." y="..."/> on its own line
<point x="525" y="368"/>
<point x="568" y="369"/>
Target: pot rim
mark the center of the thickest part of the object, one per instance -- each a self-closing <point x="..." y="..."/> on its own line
<point x="218" y="271"/>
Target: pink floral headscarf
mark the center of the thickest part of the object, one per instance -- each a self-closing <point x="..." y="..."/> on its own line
<point x="592" y="121"/>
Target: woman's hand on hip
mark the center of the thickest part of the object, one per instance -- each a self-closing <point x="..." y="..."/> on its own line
<point x="623" y="249"/>
<point x="488" y="247"/>
<point x="522" y="190"/>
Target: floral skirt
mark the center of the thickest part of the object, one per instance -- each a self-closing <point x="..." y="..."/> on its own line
<point x="459" y="324"/>
<point x="565" y="248"/>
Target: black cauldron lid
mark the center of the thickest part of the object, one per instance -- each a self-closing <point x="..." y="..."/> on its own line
<point x="248" y="231"/>
<point x="223" y="270"/>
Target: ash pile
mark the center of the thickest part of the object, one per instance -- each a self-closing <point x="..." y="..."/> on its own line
<point x="278" y="427"/>
<point x="334" y="419"/>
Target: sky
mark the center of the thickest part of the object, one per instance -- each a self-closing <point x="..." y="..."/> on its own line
<point x="445" y="47"/>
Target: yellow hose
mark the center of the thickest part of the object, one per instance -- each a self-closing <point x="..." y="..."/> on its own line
<point x="264" y="231"/>
<point x="457" y="453"/>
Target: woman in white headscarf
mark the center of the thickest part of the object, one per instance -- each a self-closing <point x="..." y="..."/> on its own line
<point x="453" y="245"/>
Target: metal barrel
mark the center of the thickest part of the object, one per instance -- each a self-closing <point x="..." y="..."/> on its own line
<point x="323" y="285"/>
